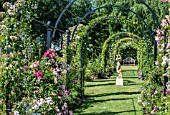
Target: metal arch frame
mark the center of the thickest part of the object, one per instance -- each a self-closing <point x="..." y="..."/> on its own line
<point x="117" y="17"/>
<point x="123" y="40"/>
<point x="120" y="7"/>
<point x="130" y="35"/>
<point x="153" y="13"/>
<point x="117" y="45"/>
<point x="72" y="2"/>
<point x="130" y="45"/>
<point x="165" y="76"/>
<point x="129" y="39"/>
<point x="60" y="16"/>
<point x="103" y="19"/>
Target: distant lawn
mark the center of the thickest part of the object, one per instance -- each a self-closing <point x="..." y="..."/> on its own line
<point x="129" y="67"/>
<point x="103" y="97"/>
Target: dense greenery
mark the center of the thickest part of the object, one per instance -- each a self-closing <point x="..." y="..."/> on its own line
<point x="105" y="98"/>
<point x="91" y="52"/>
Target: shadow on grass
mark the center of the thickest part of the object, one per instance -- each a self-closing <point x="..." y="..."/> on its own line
<point x="126" y="83"/>
<point x="130" y="83"/>
<point x="97" y="101"/>
<point x="129" y="72"/>
<point x="116" y="93"/>
<point x="130" y="77"/>
<point x="91" y="100"/>
<point x="100" y="84"/>
<point x="111" y="113"/>
<point x="102" y="80"/>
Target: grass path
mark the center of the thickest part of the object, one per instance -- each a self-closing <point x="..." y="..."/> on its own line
<point x="103" y="97"/>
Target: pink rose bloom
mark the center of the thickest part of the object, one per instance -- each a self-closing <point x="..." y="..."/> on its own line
<point x="37" y="90"/>
<point x="156" y="38"/>
<point x="35" y="107"/>
<point x="67" y="92"/>
<point x="70" y="112"/>
<point x="45" y="54"/>
<point x="158" y="42"/>
<point x="39" y="75"/>
<point x="50" y="53"/>
<point x="156" y="63"/>
<point x="164" y="0"/>
<point x="59" y="94"/>
<point x="156" y="92"/>
<point x="158" y="32"/>
<point x="156" y="108"/>
<point x="164" y="98"/>
<point x="35" y="64"/>
<point x="164" y="22"/>
<point x="168" y="45"/>
<point x="63" y="87"/>
<point x="167" y="92"/>
<point x="25" y="67"/>
<point x="160" y="50"/>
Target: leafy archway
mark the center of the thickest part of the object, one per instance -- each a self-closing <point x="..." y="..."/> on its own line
<point x="112" y="39"/>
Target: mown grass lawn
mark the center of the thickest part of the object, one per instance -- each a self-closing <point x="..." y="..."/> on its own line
<point x="103" y="97"/>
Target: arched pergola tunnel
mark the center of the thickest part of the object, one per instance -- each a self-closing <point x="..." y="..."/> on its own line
<point x="81" y="50"/>
<point x="85" y="35"/>
<point x="125" y="43"/>
<point x="94" y="22"/>
<point x="116" y="40"/>
<point x="117" y="47"/>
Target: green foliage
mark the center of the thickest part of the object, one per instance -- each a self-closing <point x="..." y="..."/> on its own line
<point x="93" y="69"/>
<point x="155" y="95"/>
<point x="105" y="98"/>
<point x="111" y="40"/>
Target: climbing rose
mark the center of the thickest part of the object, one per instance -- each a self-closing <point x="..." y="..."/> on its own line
<point x="156" y="108"/>
<point x="45" y="54"/>
<point x="168" y="46"/>
<point x="167" y="92"/>
<point x="67" y="92"/>
<point x="164" y="0"/>
<point x="164" y="22"/>
<point x="38" y="74"/>
<point x="35" y="64"/>
<point x="25" y="67"/>
<point x="50" y="53"/>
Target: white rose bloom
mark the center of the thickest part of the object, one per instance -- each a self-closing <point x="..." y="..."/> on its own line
<point x="164" y="63"/>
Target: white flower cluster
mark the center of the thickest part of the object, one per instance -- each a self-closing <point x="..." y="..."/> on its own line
<point x="41" y="102"/>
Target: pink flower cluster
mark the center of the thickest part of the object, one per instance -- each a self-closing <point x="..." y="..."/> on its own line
<point x="165" y="0"/>
<point x="35" y="64"/>
<point x="39" y="74"/>
<point x="25" y="67"/>
<point x="167" y="92"/>
<point x="67" y="92"/>
<point x="75" y="81"/>
<point x="50" y="53"/>
<point x="165" y="22"/>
